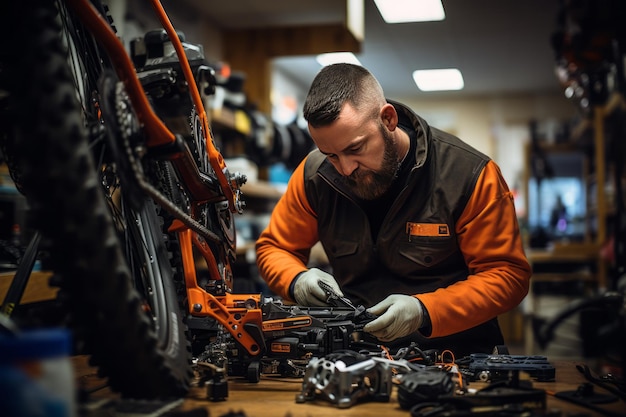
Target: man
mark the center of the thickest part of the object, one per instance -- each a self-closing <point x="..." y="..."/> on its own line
<point x="417" y="225"/>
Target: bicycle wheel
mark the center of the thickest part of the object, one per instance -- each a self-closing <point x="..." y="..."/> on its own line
<point x="110" y="258"/>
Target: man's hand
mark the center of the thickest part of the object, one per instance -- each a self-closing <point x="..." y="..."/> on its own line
<point x="399" y="315"/>
<point x="307" y="291"/>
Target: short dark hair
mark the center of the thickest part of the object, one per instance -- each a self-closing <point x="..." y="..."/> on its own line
<point x="336" y="85"/>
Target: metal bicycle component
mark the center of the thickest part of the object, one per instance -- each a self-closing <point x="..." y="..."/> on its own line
<point x="361" y="316"/>
<point x="347" y="377"/>
<point x="484" y="367"/>
<point x="334" y="299"/>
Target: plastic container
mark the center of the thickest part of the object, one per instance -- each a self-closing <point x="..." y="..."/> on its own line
<point x="36" y="374"/>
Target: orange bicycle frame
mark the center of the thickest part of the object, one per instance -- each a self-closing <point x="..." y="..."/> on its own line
<point x="239" y="314"/>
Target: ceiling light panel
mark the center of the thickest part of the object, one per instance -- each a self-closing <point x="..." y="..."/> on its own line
<point x="439" y="79"/>
<point x="403" y="11"/>
<point x="338" y="58"/>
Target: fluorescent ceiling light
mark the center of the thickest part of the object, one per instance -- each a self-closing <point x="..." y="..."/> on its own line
<point x="337" y="58"/>
<point x="438" y="79"/>
<point x="401" y="11"/>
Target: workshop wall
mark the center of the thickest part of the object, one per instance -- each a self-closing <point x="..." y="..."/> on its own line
<point x="477" y="120"/>
<point x="497" y="126"/>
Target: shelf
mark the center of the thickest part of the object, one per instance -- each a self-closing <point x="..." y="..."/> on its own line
<point x="36" y="290"/>
<point x="614" y="102"/>
<point x="236" y="120"/>
<point x="571" y="252"/>
<point x="597" y="208"/>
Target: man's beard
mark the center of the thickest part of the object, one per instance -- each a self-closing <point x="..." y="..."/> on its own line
<point x="369" y="185"/>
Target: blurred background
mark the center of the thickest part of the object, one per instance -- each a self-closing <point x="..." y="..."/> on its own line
<point x="539" y="88"/>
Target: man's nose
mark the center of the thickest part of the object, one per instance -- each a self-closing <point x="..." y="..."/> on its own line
<point x="347" y="166"/>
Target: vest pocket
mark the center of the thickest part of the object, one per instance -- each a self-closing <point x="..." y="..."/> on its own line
<point x="345" y="259"/>
<point x="340" y="249"/>
<point x="427" y="251"/>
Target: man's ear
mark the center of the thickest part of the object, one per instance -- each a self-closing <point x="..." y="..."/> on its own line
<point x="389" y="116"/>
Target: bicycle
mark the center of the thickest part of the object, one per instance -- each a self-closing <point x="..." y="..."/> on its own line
<point x="126" y="200"/>
<point x="125" y="204"/>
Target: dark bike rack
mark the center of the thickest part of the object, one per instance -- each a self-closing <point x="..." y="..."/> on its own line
<point x="20" y="280"/>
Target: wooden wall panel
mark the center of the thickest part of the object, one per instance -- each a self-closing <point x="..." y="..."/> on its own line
<point x="251" y="51"/>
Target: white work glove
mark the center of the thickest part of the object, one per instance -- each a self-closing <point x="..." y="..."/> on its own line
<point x="307" y="291"/>
<point x="399" y="315"/>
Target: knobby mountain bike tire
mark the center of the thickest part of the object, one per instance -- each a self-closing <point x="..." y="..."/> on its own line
<point x="117" y="282"/>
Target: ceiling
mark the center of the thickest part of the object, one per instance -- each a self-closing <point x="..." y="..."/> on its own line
<point x="500" y="46"/>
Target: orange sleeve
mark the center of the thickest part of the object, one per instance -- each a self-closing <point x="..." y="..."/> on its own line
<point x="284" y="246"/>
<point x="489" y="237"/>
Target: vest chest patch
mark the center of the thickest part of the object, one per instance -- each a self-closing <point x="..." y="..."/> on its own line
<point x="427" y="229"/>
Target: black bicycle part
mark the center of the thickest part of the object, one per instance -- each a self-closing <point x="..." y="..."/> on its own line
<point x="424" y="386"/>
<point x="20" y="280"/>
<point x="612" y="383"/>
<point x="586" y="396"/>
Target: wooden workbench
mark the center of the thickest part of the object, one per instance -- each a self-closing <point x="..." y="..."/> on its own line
<point x="275" y="397"/>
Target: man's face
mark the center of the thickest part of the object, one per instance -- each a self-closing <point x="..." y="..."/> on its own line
<point x="362" y="149"/>
<point x="369" y="184"/>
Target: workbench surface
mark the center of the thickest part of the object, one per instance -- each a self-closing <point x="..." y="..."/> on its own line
<point x="274" y="396"/>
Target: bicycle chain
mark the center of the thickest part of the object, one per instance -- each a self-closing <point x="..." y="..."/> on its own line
<point x="124" y="115"/>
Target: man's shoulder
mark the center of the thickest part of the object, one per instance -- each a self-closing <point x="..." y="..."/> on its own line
<point x="312" y="163"/>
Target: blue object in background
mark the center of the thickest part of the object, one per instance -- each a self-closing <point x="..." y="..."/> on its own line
<point x="36" y="375"/>
<point x="279" y="174"/>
